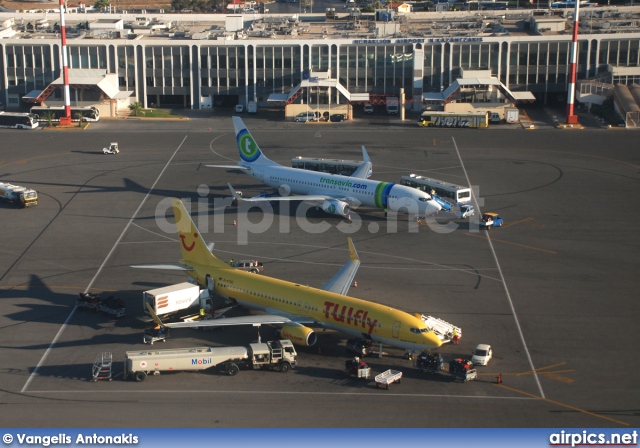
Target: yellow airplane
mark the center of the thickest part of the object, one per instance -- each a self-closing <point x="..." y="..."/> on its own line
<point x="293" y="305"/>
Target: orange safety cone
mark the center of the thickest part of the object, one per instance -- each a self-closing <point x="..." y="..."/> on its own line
<point x="499" y="378"/>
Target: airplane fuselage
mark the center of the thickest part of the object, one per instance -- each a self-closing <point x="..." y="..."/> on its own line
<point x="355" y="191"/>
<point x="330" y="310"/>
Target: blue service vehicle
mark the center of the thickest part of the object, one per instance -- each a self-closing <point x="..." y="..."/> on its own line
<point x="490" y="219"/>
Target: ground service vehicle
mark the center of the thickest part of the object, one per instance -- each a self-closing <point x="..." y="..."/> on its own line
<point x="445" y="190"/>
<point x="429" y="362"/>
<point x="330" y="166"/>
<point x="89" y="113"/>
<point x="454" y="119"/>
<point x="358" y="368"/>
<point x="17" y="120"/>
<point x="239" y="108"/>
<point x="253" y="266"/>
<point x="462" y="370"/>
<point x="481" y="355"/>
<point x="465" y="211"/>
<point x="15" y="194"/>
<point x="388" y="377"/>
<point x="392" y="105"/>
<point x="490" y="219"/>
<point x="252" y="107"/>
<point x="368" y="108"/>
<point x="111" y="149"/>
<point x="276" y="355"/>
<point x="511" y="115"/>
<point x="360" y="346"/>
<point x="174" y="298"/>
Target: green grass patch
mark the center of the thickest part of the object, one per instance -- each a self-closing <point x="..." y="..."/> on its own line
<point x="158" y="113"/>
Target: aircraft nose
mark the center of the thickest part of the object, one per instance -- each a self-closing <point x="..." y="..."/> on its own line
<point x="432" y="339"/>
<point x="433" y="207"/>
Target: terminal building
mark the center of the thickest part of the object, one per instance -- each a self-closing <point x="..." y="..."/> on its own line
<point x="337" y="59"/>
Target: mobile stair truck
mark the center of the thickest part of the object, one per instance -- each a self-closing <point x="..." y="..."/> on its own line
<point x="274" y="355"/>
<point x="15" y="194"/>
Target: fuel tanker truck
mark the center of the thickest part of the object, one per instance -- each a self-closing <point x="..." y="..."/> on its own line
<point x="277" y="355"/>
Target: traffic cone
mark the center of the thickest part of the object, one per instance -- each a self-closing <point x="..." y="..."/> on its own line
<point x="355" y="284"/>
<point x="499" y="378"/>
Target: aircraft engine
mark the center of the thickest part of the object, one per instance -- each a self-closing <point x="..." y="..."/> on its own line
<point x="299" y="334"/>
<point x="336" y="207"/>
<point x="284" y="190"/>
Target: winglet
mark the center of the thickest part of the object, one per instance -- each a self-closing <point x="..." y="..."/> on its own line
<point x="353" y="255"/>
<point x="235" y="194"/>
<point x="365" y="156"/>
<point x="154" y="315"/>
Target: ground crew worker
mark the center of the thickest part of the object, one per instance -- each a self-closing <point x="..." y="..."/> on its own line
<point x="499" y="378"/>
<point x="456" y="337"/>
<point x="201" y="313"/>
<point x="231" y="262"/>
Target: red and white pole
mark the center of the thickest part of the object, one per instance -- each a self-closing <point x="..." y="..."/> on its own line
<point x="571" y="94"/>
<point x="66" y="120"/>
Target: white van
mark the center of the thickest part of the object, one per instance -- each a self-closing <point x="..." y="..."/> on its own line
<point x="368" y="108"/>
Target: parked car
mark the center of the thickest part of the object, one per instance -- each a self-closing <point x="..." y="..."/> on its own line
<point x="239" y="108"/>
<point x="368" y="108"/>
<point x="465" y="211"/>
<point x="481" y="355"/>
<point x="337" y="118"/>
<point x="306" y="116"/>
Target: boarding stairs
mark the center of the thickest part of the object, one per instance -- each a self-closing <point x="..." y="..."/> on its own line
<point x="446" y="206"/>
<point x="102" y="367"/>
<point x="442" y="329"/>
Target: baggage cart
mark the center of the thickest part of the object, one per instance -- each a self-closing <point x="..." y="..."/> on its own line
<point x="387" y="378"/>
<point x="88" y="301"/>
<point x="152" y="335"/>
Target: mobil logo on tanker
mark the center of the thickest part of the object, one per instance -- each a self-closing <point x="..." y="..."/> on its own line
<point x="201" y="361"/>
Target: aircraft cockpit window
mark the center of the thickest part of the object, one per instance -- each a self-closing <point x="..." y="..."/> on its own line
<point x="415" y="330"/>
<point x="422" y="199"/>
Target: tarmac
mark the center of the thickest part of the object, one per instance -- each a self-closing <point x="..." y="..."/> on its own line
<point x="553" y="291"/>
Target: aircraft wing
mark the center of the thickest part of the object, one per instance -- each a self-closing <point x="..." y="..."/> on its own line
<point x="315" y="197"/>
<point x="364" y="170"/>
<point x="230" y="167"/>
<point x="341" y="282"/>
<point x="254" y="320"/>
<point x="172" y="267"/>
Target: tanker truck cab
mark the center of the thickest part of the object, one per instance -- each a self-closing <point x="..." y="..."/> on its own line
<point x="278" y="355"/>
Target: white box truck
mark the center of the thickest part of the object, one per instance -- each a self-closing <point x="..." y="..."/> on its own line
<point x="174" y="298"/>
<point x="275" y="355"/>
<point x="511" y="115"/>
<point x="252" y="107"/>
<point x="392" y="105"/>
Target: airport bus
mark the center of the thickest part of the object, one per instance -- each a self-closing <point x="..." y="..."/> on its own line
<point x="89" y="113"/>
<point x="454" y="119"/>
<point x="330" y="166"/>
<point x="561" y="5"/>
<point x="448" y="191"/>
<point x="17" y="120"/>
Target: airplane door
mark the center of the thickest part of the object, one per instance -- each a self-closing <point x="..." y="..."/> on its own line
<point x="395" y="330"/>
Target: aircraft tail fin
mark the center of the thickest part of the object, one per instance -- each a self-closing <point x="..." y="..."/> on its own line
<point x="194" y="249"/>
<point x="247" y="147"/>
<point x="366" y="168"/>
